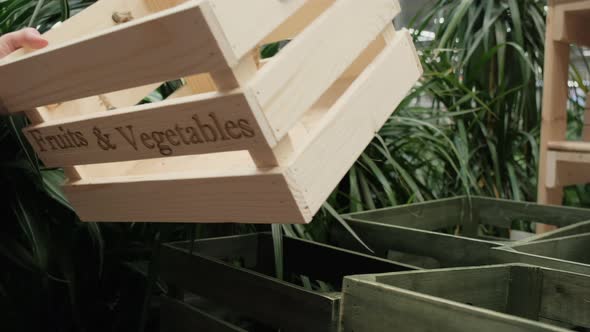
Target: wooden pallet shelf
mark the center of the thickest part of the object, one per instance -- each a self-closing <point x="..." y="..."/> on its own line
<point x="244" y="140"/>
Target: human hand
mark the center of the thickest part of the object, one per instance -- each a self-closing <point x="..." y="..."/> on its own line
<point x="28" y="37"/>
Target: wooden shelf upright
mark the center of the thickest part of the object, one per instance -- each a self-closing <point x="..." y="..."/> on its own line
<point x="562" y="163"/>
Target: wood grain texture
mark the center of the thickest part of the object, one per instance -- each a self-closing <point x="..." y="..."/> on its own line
<point x="503" y="255"/>
<point x="369" y="305"/>
<point x="351" y="123"/>
<point x="246" y="23"/>
<point x="249" y="197"/>
<point x="280" y="304"/>
<point x="447" y="250"/>
<point x="211" y="122"/>
<point x="180" y="33"/>
<point x="555" y="97"/>
<point x="298" y="76"/>
<point x="566" y="298"/>
<point x="571" y="23"/>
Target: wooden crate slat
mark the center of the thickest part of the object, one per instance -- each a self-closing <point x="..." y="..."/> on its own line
<point x="436" y="300"/>
<point x="190" y="197"/>
<point x="305" y="69"/>
<point x="565" y="298"/>
<point x="447" y="250"/>
<point x="257" y="19"/>
<point x="177" y="316"/>
<point x="205" y="123"/>
<point x="352" y="122"/>
<point x="293" y="26"/>
<point x="180" y="33"/>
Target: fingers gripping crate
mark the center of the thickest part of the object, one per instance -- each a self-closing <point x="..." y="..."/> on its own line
<point x="245" y="140"/>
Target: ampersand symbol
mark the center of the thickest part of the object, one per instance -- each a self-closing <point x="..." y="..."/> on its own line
<point x="104" y="140"/>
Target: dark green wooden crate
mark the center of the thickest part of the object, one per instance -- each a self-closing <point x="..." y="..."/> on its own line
<point x="421" y="248"/>
<point x="569" y="253"/>
<point x="238" y="273"/>
<point x="475" y="217"/>
<point x="492" y="298"/>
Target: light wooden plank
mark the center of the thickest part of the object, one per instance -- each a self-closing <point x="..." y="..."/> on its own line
<point x="167" y="34"/>
<point x="210" y="122"/>
<point x="298" y="76"/>
<point x="244" y="197"/>
<point x="555" y="97"/>
<point x="352" y="122"/>
<point x="245" y="23"/>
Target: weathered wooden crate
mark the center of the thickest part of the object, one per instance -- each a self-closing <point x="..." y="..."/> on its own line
<point x="238" y="273"/>
<point x="178" y="316"/>
<point x="420" y="248"/>
<point x="466" y="216"/>
<point x="568" y="253"/>
<point x="246" y="140"/>
<point x="493" y="298"/>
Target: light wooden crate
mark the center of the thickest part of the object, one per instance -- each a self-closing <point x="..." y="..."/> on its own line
<point x="493" y="298"/>
<point x="569" y="253"/>
<point x="238" y="273"/>
<point x="465" y="217"/>
<point x="245" y="140"/>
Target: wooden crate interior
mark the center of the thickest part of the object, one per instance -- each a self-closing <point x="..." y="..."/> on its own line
<point x="524" y="291"/>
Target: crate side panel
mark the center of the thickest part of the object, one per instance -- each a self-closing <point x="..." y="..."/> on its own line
<point x="352" y="122"/>
<point x="295" y="79"/>
<point x="431" y="215"/>
<point x="206" y="123"/>
<point x="481" y="287"/>
<point x="253" y="198"/>
<point x="447" y="250"/>
<point x="278" y="303"/>
<point x="134" y="54"/>
<point x="176" y="316"/>
<point x="370" y="306"/>
<point x="565" y="298"/>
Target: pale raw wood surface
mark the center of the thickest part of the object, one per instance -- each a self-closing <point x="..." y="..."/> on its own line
<point x="289" y="29"/>
<point x="296" y="78"/>
<point x="262" y="197"/>
<point x="571" y="146"/>
<point x="148" y="119"/>
<point x="355" y="118"/>
<point x="247" y="23"/>
<point x="167" y="34"/>
<point x="567" y="168"/>
<point x="554" y="118"/>
<point x="571" y="23"/>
